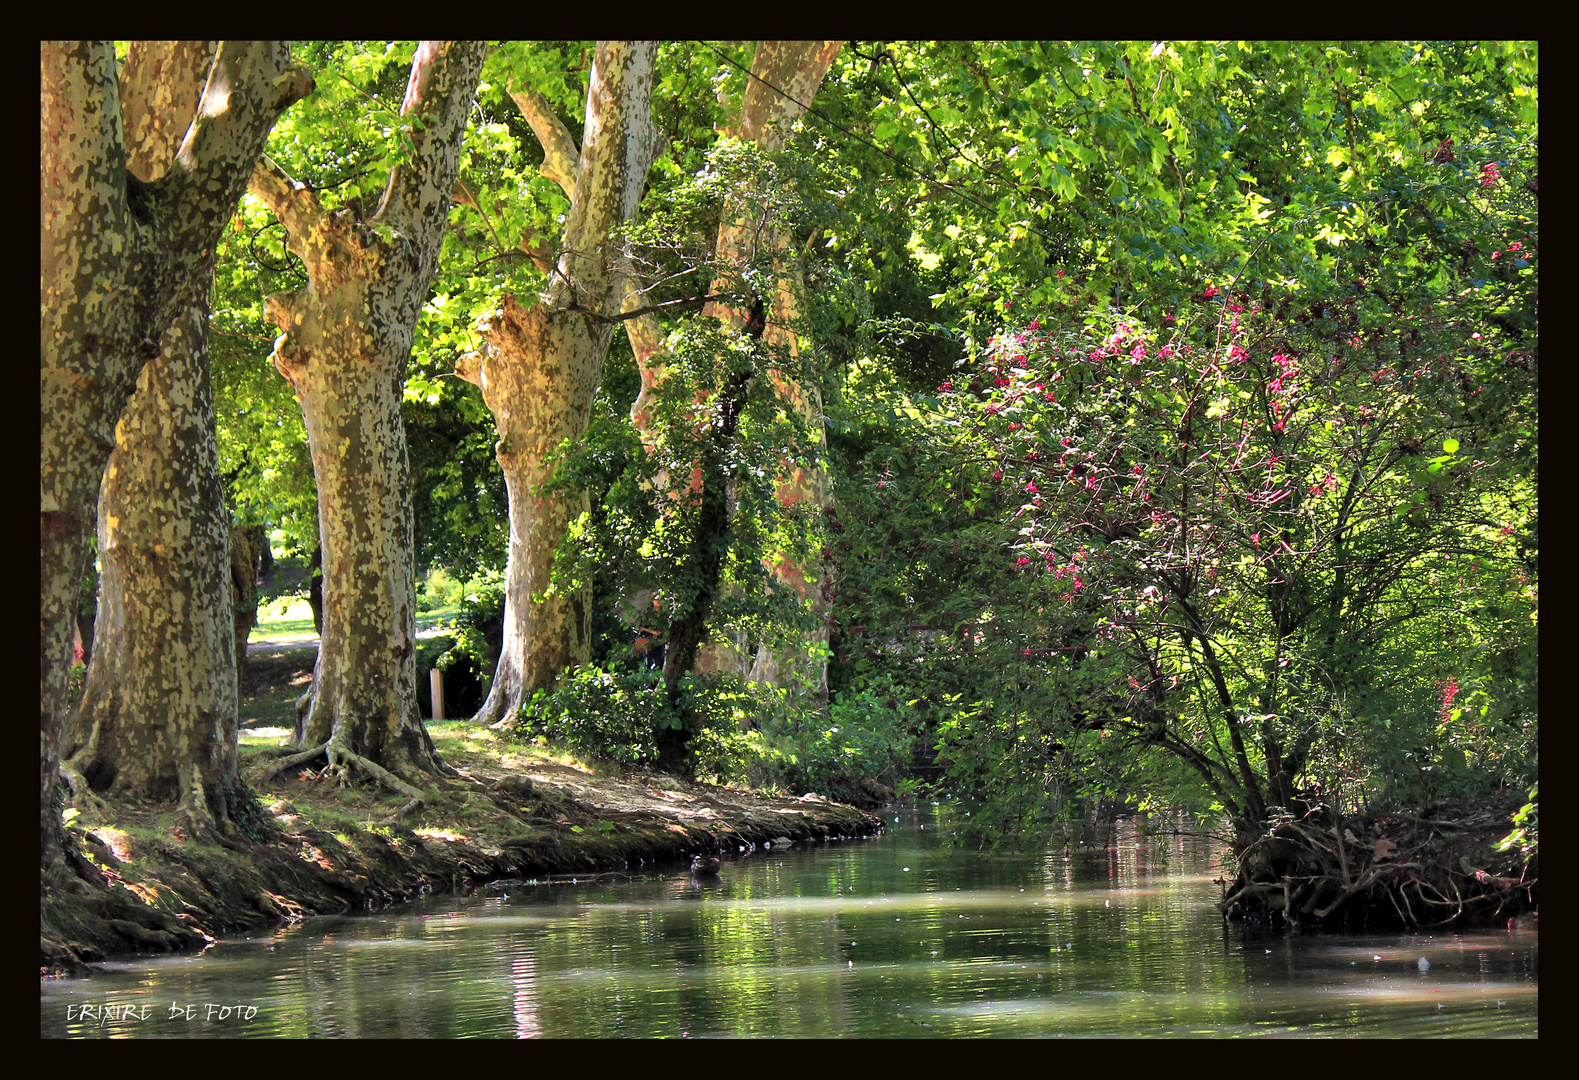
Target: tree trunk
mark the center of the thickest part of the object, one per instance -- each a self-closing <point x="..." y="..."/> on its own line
<point x="542" y="370"/>
<point x="786" y="74"/>
<point x="344" y="348"/>
<point x="541" y="365"/>
<point x="247" y="544"/>
<point x="158" y="715"/>
<point x="364" y="686"/>
<point x="117" y="254"/>
<point x="315" y="589"/>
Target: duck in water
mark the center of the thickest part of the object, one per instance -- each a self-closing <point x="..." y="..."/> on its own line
<point x="703" y="866"/>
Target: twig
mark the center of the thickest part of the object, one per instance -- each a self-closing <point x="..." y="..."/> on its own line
<point x="636" y="313"/>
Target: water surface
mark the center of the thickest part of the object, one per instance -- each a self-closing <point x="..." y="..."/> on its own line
<point x="895" y="936"/>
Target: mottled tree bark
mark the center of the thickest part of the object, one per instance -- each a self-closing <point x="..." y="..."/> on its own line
<point x="344" y="346"/>
<point x="542" y="363"/>
<point x="117" y="255"/>
<point x="158" y="715"/>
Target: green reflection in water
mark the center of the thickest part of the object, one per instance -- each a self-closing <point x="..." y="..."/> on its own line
<point x="898" y="936"/>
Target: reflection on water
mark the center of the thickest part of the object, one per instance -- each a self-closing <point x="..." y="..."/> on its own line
<point x="897" y="936"/>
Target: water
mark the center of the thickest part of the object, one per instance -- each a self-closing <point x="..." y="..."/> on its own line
<point x="897" y="936"/>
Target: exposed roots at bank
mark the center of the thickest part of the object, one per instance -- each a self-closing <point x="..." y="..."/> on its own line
<point x="1395" y="871"/>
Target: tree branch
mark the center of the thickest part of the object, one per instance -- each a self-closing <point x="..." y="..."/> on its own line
<point x="560" y="152"/>
<point x="439" y="93"/>
<point x="291" y="201"/>
<point x="161" y="84"/>
<point x="646" y="336"/>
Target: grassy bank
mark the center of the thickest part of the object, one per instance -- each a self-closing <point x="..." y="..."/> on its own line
<point x="134" y="881"/>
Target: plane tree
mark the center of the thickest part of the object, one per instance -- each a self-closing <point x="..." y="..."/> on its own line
<point x="121" y="256"/>
<point x="345" y="340"/>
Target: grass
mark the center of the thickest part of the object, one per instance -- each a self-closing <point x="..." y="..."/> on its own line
<point x="274" y="680"/>
<point x="291" y="619"/>
<point x="277" y="676"/>
<point x="284" y="620"/>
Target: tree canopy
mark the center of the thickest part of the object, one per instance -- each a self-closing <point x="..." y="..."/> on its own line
<point x="1163" y="414"/>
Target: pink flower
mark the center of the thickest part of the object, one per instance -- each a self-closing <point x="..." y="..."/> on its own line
<point x="1211" y="290"/>
<point x="1489" y="174"/>
<point x="943" y="386"/>
<point x="1516" y="245"/>
<point x="1031" y="486"/>
<point x="1255" y="538"/>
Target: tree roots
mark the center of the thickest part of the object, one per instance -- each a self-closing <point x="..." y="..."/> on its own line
<point x="1324" y="868"/>
<point x="339" y="761"/>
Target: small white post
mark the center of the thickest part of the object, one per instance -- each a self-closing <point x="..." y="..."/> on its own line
<point x="436" y="683"/>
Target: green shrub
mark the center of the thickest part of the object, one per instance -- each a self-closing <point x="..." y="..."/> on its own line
<point x="74" y="686"/>
<point x="613" y="715"/>
<point x="616" y="715"/>
<point x="479" y="628"/>
<point x="865" y="734"/>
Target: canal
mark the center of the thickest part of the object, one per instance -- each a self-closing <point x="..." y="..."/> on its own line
<point x="897" y="936"/>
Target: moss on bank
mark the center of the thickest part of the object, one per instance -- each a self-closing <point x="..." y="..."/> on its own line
<point x="132" y="881"/>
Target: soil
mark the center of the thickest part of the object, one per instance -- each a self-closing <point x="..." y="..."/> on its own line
<point x="133" y="881"/>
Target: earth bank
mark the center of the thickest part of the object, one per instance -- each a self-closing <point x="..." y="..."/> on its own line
<point x="133" y="881"/>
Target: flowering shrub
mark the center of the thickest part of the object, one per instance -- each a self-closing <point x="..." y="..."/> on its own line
<point x="1234" y="537"/>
